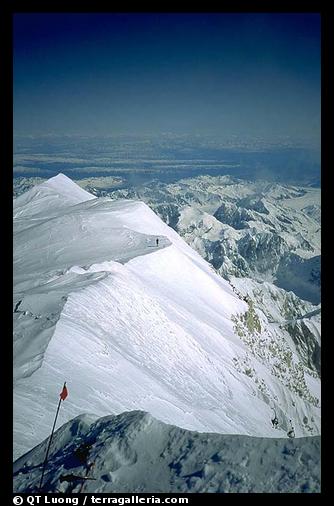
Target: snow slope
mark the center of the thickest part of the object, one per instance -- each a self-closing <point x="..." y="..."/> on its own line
<point x="134" y="452"/>
<point x="130" y="325"/>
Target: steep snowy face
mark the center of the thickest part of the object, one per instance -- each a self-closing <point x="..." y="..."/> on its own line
<point x="133" y="452"/>
<point x="256" y="235"/>
<point x="112" y="300"/>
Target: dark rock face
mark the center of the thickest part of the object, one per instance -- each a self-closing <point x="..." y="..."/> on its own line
<point x="301" y="275"/>
<point x="169" y="213"/>
<point x="308" y="347"/>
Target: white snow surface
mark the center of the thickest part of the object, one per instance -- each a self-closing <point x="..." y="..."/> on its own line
<point x="128" y="325"/>
<point x="134" y="452"/>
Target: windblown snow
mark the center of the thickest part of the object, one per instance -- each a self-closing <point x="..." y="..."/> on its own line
<point x="135" y="325"/>
<point x="134" y="452"/>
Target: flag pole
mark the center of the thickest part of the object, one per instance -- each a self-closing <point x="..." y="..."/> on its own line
<point x="50" y="440"/>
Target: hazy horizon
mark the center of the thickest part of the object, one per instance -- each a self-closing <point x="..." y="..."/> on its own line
<point x="226" y="75"/>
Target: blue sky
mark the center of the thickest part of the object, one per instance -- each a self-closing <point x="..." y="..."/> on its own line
<point x="221" y="74"/>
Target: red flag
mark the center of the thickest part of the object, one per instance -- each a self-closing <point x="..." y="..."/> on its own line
<point x="64" y="393"/>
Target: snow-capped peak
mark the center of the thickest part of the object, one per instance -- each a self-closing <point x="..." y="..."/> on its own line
<point x="48" y="197"/>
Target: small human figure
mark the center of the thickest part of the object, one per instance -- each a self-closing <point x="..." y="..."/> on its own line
<point x="274" y="421"/>
<point x="157" y="241"/>
<point x="291" y="432"/>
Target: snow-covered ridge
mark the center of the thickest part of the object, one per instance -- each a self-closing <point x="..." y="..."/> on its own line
<point x="134" y="452"/>
<point x="130" y="324"/>
<point x="266" y="231"/>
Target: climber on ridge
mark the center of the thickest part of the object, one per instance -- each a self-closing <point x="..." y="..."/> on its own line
<point x="274" y="420"/>
<point x="157" y="241"/>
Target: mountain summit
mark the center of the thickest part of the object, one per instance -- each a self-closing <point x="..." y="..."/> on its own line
<point x="135" y="452"/>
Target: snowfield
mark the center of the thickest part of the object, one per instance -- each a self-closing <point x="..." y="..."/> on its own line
<point x="132" y="325"/>
<point x="134" y="452"/>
